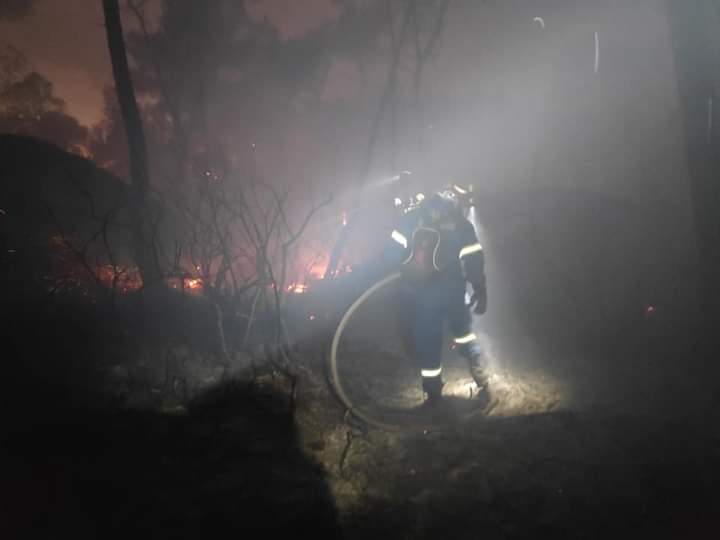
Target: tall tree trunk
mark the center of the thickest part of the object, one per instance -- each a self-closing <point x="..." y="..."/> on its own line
<point x="696" y="42"/>
<point x="145" y="254"/>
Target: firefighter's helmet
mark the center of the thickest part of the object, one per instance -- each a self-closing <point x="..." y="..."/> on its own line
<point x="441" y="204"/>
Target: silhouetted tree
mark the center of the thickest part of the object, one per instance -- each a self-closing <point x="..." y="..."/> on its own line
<point x="28" y="105"/>
<point x="30" y="96"/>
<point x="146" y="259"/>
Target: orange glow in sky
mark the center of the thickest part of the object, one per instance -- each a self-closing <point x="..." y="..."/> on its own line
<point x="65" y="41"/>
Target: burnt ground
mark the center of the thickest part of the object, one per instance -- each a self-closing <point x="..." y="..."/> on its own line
<point x="104" y="446"/>
<point x="520" y="473"/>
<point x="235" y="460"/>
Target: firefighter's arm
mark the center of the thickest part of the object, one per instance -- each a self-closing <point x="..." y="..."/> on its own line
<point x="472" y="259"/>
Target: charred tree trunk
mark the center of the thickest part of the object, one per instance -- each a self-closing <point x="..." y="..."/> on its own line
<point x="696" y="43"/>
<point x="143" y="246"/>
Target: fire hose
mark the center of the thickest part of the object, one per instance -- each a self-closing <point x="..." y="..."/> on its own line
<point x="334" y="373"/>
<point x="332" y="360"/>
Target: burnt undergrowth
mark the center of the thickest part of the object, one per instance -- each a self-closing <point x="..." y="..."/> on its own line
<point x="97" y="440"/>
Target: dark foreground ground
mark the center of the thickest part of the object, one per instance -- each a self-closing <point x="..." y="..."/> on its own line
<point x="235" y="460"/>
<point x="125" y="450"/>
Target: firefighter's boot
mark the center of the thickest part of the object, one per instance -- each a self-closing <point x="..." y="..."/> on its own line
<point x="432" y="386"/>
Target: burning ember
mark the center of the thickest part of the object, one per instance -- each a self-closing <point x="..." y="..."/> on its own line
<point x="188" y="284"/>
<point x="193" y="283"/>
<point x="297" y="288"/>
<point x="124" y="278"/>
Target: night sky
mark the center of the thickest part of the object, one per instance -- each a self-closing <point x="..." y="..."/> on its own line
<point x="65" y="41"/>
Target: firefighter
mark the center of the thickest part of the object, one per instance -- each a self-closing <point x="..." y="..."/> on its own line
<point x="438" y="252"/>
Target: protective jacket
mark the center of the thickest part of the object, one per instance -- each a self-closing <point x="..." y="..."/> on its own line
<point x="445" y="249"/>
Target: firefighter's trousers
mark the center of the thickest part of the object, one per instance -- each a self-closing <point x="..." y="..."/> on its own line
<point x="431" y="305"/>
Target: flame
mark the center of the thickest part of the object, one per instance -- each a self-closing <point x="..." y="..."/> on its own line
<point x="317" y="270"/>
<point x="297" y="288"/>
<point x="193" y="283"/>
<point x="125" y="278"/>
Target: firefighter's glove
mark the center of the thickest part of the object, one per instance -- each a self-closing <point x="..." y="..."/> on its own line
<point x="478" y="301"/>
